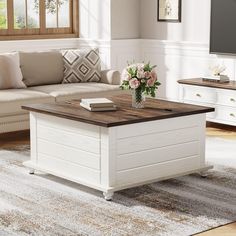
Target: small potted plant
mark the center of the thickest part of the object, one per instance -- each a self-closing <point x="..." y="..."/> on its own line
<point x="141" y="79"/>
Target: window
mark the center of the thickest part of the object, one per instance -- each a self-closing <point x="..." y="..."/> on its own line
<point x="38" y="18"/>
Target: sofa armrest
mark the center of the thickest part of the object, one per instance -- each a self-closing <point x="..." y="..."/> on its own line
<point x="111" y="77"/>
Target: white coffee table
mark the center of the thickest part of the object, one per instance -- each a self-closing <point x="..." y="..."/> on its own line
<point x="110" y="151"/>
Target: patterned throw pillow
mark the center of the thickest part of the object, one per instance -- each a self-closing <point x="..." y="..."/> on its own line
<point x="81" y="66"/>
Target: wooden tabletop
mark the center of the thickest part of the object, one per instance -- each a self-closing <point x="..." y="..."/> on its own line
<point x="199" y="82"/>
<point x="154" y="110"/>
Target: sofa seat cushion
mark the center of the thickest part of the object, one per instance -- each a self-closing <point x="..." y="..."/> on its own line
<point x="63" y="92"/>
<point x="11" y="100"/>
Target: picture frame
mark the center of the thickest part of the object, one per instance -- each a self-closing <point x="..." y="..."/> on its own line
<point x="169" y="10"/>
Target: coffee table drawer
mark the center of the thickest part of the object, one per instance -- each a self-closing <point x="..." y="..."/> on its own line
<point x="226" y="114"/>
<point x="226" y="97"/>
<point x="200" y="94"/>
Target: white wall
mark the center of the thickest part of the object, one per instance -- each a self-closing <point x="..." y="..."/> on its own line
<point x="125" y="16"/>
<point x="180" y="50"/>
<point x="95" y="19"/>
<point x="194" y="27"/>
<point x="109" y="19"/>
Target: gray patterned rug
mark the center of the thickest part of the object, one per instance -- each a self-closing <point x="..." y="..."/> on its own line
<point x="45" y="205"/>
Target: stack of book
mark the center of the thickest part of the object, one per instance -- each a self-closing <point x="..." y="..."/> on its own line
<point x="98" y="104"/>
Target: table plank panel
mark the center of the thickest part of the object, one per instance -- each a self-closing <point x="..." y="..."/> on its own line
<point x="154" y="110"/>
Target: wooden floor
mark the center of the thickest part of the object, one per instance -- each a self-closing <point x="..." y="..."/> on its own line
<point x="13" y="139"/>
<point x="19" y="138"/>
<point x="227" y="230"/>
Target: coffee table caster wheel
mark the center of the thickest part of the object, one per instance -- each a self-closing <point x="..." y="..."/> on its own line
<point x="31" y="172"/>
<point x="203" y="174"/>
<point x="108" y="196"/>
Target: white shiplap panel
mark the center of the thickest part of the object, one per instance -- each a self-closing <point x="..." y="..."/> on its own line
<point x="140" y="129"/>
<point x="158" y="155"/>
<point x="68" y="169"/>
<point x="157" y="140"/>
<point x="58" y="136"/>
<point x="160" y="170"/>
<point x="73" y="155"/>
<point x="68" y="125"/>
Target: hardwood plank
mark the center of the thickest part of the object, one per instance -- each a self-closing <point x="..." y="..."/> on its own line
<point x="227" y="230"/>
<point x="222" y="127"/>
<point x="8" y="140"/>
<point x="154" y="110"/>
<point x="199" y="82"/>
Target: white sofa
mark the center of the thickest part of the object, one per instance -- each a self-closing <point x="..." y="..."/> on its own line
<point x="13" y="118"/>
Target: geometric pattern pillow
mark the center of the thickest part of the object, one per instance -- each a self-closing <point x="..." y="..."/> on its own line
<point x="81" y="65"/>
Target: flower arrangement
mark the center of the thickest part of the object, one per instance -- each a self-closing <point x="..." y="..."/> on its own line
<point x="140" y="77"/>
<point x="217" y="70"/>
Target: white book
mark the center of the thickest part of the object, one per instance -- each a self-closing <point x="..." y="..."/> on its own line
<point x="113" y="108"/>
<point x="97" y="102"/>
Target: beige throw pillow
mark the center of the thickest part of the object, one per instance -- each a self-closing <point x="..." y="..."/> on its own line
<point x="41" y="68"/>
<point x="10" y="73"/>
<point x="81" y="65"/>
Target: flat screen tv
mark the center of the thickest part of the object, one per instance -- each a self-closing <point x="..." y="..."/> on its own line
<point x="223" y="27"/>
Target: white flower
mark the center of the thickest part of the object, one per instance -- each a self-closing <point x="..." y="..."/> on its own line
<point x="125" y="75"/>
<point x="140" y="73"/>
<point x="217" y="69"/>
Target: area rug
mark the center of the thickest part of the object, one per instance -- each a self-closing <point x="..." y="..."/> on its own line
<point x="45" y="205"/>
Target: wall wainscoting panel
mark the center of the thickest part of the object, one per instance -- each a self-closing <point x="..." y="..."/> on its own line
<point x="182" y="60"/>
<point x="174" y="60"/>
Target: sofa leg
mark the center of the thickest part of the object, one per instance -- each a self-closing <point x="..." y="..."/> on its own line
<point x="31" y="171"/>
<point x="108" y="196"/>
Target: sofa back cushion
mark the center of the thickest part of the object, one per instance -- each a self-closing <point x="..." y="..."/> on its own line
<point x="81" y="65"/>
<point x="10" y="73"/>
<point x="41" y="68"/>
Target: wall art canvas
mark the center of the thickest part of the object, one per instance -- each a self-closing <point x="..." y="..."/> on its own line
<point x="169" y="10"/>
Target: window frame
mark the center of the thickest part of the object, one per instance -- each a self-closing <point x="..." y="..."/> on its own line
<point x="42" y="32"/>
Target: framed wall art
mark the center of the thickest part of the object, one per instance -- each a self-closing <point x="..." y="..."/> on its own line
<point x="169" y="10"/>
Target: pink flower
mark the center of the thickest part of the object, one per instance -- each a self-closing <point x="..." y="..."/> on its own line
<point x="147" y="74"/>
<point x="151" y="81"/>
<point x="134" y="83"/>
<point x="154" y="74"/>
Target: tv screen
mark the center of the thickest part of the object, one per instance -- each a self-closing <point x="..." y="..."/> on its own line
<point x="223" y="27"/>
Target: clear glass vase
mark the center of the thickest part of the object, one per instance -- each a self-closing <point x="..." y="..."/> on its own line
<point x="138" y="98"/>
